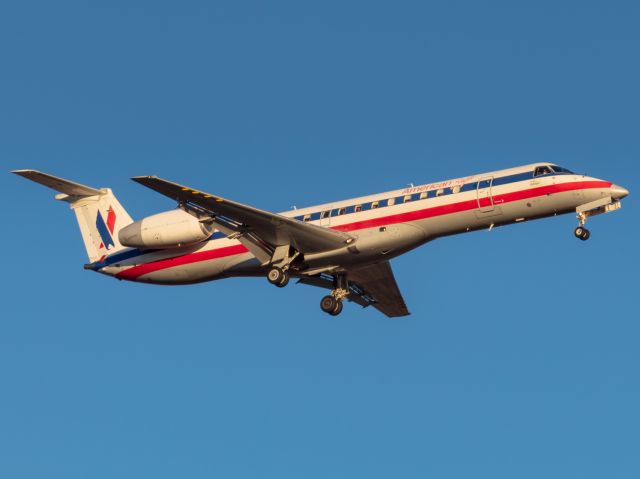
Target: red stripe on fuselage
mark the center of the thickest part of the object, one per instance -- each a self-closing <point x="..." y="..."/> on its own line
<point x="470" y="205"/>
<point x="137" y="271"/>
<point x="430" y="212"/>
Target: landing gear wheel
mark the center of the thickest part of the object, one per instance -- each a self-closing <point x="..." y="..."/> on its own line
<point x="285" y="280"/>
<point x="582" y="233"/>
<point x="337" y="310"/>
<point x="278" y="277"/>
<point x="329" y="304"/>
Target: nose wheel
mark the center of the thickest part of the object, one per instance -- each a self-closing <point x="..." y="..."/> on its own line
<point x="582" y="233"/>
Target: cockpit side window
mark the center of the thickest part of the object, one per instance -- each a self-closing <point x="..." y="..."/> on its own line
<point x="542" y="170"/>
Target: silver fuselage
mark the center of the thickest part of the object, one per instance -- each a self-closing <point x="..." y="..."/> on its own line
<point x="384" y="225"/>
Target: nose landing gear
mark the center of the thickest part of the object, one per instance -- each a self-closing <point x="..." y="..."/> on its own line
<point x="598" y="207"/>
<point x="581" y="232"/>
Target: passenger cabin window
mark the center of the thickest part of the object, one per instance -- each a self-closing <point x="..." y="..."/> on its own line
<point x="407" y="199"/>
<point x="391" y="201"/>
<point x="342" y="211"/>
<point x="440" y="192"/>
<point x="374" y="205"/>
<point x="542" y="170"/>
<point x="455" y="189"/>
<point x="306" y="218"/>
<point x="325" y="214"/>
<point x="423" y="195"/>
<point x="358" y="208"/>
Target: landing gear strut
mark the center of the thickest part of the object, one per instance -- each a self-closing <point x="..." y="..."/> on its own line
<point x="278" y="276"/>
<point x="581" y="232"/>
<point x="332" y="304"/>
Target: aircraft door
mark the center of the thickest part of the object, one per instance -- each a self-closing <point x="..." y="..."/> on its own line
<point x="485" y="194"/>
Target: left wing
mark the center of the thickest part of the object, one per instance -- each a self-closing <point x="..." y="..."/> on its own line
<point x="262" y="229"/>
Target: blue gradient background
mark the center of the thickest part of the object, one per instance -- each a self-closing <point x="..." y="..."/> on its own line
<point x="521" y="356"/>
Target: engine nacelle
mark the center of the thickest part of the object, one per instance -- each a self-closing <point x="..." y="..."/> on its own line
<point x="170" y="229"/>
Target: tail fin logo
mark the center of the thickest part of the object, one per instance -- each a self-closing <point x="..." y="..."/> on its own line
<point x="106" y="229"/>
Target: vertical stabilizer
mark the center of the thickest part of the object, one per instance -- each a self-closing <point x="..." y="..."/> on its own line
<point x="99" y="213"/>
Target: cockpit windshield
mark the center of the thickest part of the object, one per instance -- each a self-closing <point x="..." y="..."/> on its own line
<point x="551" y="169"/>
<point x="542" y="170"/>
<point x="561" y="170"/>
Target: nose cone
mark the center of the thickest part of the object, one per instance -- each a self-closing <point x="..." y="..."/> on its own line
<point x="618" y="192"/>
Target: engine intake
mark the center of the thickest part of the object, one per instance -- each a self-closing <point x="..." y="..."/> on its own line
<point x="171" y="229"/>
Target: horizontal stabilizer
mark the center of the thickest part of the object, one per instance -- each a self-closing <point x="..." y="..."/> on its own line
<point x="59" y="184"/>
<point x="99" y="213"/>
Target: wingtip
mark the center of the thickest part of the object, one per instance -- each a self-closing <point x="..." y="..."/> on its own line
<point x="140" y="179"/>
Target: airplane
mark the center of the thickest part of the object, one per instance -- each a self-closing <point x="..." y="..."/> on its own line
<point x="343" y="246"/>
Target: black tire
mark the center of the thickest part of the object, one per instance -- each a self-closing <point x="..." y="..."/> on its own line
<point x="284" y="281"/>
<point x="275" y="275"/>
<point x="585" y="235"/>
<point x="579" y="232"/>
<point x="328" y="304"/>
<point x="337" y="310"/>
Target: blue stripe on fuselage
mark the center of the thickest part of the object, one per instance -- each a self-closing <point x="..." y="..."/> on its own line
<point x="499" y="181"/>
<point x="134" y="252"/>
<point x="505" y="180"/>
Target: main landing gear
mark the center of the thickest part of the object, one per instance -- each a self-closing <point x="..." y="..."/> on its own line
<point x="332" y="303"/>
<point x="278" y="276"/>
<point x="283" y="257"/>
<point x="581" y="232"/>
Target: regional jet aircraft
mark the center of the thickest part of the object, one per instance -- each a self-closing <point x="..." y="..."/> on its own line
<point x="343" y="246"/>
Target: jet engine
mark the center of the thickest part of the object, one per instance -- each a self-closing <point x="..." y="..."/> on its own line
<point x="170" y="229"/>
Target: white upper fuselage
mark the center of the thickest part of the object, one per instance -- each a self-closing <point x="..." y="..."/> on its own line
<point x="384" y="225"/>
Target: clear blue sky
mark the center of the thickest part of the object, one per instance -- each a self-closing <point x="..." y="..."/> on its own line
<point x="521" y="357"/>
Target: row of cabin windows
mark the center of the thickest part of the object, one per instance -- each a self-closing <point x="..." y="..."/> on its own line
<point x="540" y="171"/>
<point x="372" y="205"/>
